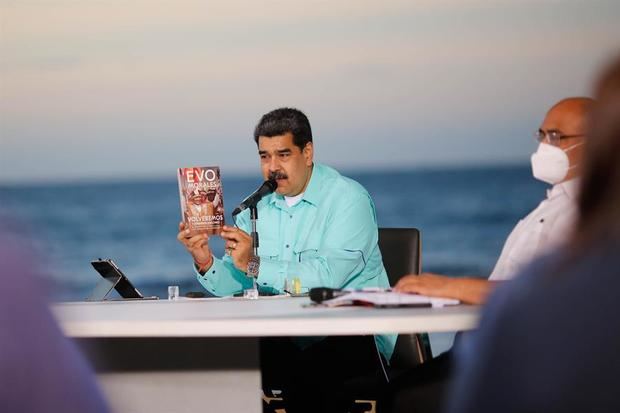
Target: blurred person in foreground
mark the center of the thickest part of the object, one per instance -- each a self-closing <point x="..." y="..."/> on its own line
<point x="40" y="369"/>
<point x="318" y="226"/>
<point x="557" y="162"/>
<point x="548" y="342"/>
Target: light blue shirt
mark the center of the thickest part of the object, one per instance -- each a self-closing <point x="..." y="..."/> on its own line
<point x="328" y="239"/>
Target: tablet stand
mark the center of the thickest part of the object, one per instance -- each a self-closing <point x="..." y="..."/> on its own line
<point x="103" y="288"/>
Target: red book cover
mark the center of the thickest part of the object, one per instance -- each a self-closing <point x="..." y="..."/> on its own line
<point x="202" y="201"/>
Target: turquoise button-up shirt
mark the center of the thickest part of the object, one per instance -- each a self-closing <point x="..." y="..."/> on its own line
<point x="328" y="239"/>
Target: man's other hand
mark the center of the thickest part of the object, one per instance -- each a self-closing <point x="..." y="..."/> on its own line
<point x="468" y="290"/>
<point x="429" y="284"/>
<point x="238" y="246"/>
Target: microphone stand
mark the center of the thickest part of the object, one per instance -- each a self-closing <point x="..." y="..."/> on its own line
<point x="253" y="218"/>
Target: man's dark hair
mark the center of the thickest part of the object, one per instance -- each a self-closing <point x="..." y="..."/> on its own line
<point x="282" y="121"/>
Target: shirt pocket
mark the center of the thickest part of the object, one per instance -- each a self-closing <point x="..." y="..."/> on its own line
<point x="268" y="249"/>
<point x="305" y="252"/>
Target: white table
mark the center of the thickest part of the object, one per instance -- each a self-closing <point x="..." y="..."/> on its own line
<point x="185" y="355"/>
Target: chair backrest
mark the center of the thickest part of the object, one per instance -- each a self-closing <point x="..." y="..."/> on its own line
<point x="401" y="251"/>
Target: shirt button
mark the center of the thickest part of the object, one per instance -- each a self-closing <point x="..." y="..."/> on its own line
<point x="290" y="216"/>
<point x="287" y="245"/>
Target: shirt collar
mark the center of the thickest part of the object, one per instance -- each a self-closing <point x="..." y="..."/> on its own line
<point x="569" y="188"/>
<point x="313" y="190"/>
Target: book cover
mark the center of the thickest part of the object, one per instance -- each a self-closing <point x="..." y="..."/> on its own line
<point x="202" y="200"/>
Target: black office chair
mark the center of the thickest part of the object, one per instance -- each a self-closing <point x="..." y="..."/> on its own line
<point x="401" y="252"/>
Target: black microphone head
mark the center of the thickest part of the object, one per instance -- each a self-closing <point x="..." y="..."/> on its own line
<point x="320" y="294"/>
<point x="266" y="188"/>
<point x="272" y="184"/>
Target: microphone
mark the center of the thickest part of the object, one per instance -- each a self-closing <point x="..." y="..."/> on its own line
<point x="266" y="188"/>
<point x="320" y="294"/>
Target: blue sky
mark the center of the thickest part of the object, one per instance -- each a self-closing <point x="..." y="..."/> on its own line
<point x="133" y="89"/>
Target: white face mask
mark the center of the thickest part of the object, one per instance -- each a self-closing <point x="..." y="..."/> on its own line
<point x="550" y="163"/>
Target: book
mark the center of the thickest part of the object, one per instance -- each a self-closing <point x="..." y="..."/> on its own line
<point x="202" y="200"/>
<point x="388" y="299"/>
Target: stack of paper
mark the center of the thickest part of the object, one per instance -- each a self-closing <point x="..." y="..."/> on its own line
<point x="389" y="299"/>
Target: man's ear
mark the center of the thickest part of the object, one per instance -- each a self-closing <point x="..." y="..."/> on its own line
<point x="308" y="153"/>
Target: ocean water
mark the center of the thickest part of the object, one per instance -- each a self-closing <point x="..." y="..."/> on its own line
<point x="464" y="215"/>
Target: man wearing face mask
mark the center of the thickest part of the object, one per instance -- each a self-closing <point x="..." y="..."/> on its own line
<point x="556" y="162"/>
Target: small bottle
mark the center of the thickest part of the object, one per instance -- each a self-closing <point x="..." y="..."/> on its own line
<point x="173" y="292"/>
<point x="250" y="294"/>
<point x="296" y="287"/>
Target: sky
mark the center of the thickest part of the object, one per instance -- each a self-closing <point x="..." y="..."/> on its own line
<point x="132" y="89"/>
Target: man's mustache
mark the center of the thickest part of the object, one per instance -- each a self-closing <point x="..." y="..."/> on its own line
<point x="277" y="175"/>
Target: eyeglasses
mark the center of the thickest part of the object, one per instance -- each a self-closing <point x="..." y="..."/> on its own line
<point x="552" y="137"/>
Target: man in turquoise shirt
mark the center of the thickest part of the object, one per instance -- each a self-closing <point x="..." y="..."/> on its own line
<point x="318" y="226"/>
<point x="327" y="239"/>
